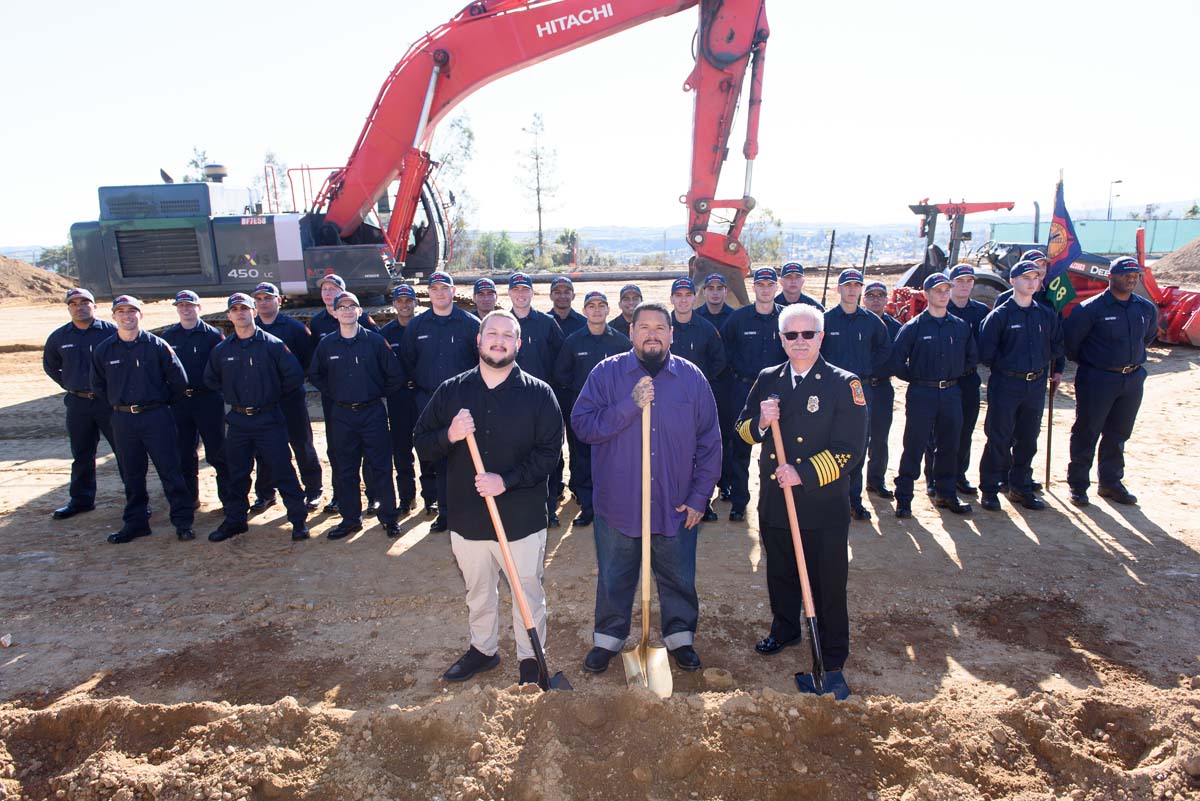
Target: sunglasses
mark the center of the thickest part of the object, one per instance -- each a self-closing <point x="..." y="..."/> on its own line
<point x="790" y="336"/>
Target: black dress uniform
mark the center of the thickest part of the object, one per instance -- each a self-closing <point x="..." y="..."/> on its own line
<point x="823" y="422"/>
<point x="356" y="374"/>
<point x="883" y="398"/>
<point x="932" y="354"/>
<point x="580" y="352"/>
<point x="139" y="380"/>
<point x="1108" y="339"/>
<point x="700" y="343"/>
<point x="299" y="341"/>
<point x="402" y="417"/>
<point x="1018" y="343"/>
<point x="541" y="340"/>
<point x="751" y="345"/>
<point x="67" y="359"/>
<point x="972" y="314"/>
<point x="722" y="389"/>
<point x="782" y="301"/>
<point x="200" y="413"/>
<point x="253" y="374"/>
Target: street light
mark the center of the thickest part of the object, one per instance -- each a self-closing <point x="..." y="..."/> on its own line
<point x="1110" y="196"/>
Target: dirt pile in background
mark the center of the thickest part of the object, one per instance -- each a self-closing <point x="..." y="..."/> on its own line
<point x="1180" y="267"/>
<point x="21" y="281"/>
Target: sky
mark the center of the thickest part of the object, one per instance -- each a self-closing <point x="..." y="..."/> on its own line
<point x="867" y="106"/>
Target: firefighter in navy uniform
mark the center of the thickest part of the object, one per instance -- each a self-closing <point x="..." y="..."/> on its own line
<point x="484" y="294"/>
<point x="791" y="282"/>
<point x="253" y="370"/>
<point x="822" y="415"/>
<point x="1018" y="341"/>
<point x="298" y="339"/>
<point x="139" y="376"/>
<point x="858" y="342"/>
<point x="883" y="397"/>
<point x="562" y="294"/>
<point x="200" y="413"/>
<point x="1107" y="336"/>
<point x="67" y="359"/>
<point x="752" y="344"/>
<point x="580" y="352"/>
<point x="932" y="352"/>
<point x="355" y="369"/>
<point x="630" y="297"/>
<point x="402" y="409"/>
<point x="717" y="311"/>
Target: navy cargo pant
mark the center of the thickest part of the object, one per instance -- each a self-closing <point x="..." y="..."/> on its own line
<point x="332" y="453"/>
<point x="827" y="558"/>
<point x="934" y="413"/>
<point x="969" y="386"/>
<point x="739" y="458"/>
<point x="726" y="415"/>
<point x="402" y="417"/>
<point x="883" y="398"/>
<point x="262" y="436"/>
<point x="581" y="470"/>
<point x="300" y="438"/>
<point x="150" y="437"/>
<point x="854" y="483"/>
<point x="436" y="470"/>
<point x="1106" y="406"/>
<point x="87" y="419"/>
<point x="360" y="437"/>
<point x="201" y="418"/>
<point x="1012" y="424"/>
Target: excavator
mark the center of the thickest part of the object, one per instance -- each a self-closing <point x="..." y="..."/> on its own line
<point x="151" y="240"/>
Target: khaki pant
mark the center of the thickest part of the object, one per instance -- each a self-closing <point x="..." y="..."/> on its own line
<point x="481" y="564"/>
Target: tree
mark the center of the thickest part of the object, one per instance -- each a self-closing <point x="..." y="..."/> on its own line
<point x="763" y="237"/>
<point x="495" y="253"/>
<point x="60" y="260"/>
<point x="538" y="167"/>
<point x="276" y="195"/>
<point x="453" y="149"/>
<point x="196" y="166"/>
<point x="569" y="254"/>
<point x="1192" y="213"/>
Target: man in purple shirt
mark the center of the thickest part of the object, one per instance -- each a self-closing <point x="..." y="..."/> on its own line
<point x="685" y="462"/>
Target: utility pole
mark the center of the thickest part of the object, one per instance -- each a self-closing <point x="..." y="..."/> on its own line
<point x="1110" y="197"/>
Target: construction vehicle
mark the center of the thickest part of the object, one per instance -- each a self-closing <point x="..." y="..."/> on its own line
<point x="151" y="240"/>
<point x="989" y="282"/>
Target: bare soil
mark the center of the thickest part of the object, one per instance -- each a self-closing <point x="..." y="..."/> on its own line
<point x="1014" y="655"/>
<point x="1180" y="267"/>
<point x="22" y="282"/>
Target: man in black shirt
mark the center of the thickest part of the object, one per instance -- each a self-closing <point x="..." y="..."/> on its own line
<point x="631" y="296"/>
<point x="518" y="427"/>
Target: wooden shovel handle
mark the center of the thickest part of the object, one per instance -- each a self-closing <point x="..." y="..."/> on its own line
<point x="797" y="545"/>
<point x="514" y="578"/>
<point x="645" y="522"/>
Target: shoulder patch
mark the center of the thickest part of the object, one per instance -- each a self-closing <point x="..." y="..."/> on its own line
<point x="856" y="391"/>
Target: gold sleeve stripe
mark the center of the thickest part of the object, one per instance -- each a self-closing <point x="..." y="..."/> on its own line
<point x="745" y="433"/>
<point x="828" y="469"/>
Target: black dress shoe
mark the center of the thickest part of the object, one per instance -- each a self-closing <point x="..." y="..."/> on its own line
<point x="71" y="509"/>
<point x="584" y="519"/>
<point x="709" y="515"/>
<point x="343" y="529"/>
<point x="1079" y="497"/>
<point x="528" y="671"/>
<point x="860" y="512"/>
<point x="965" y="487"/>
<point x="333" y="507"/>
<point x="299" y="533"/>
<point x="990" y="501"/>
<point x="312" y="504"/>
<point x="770" y="645"/>
<point x="392" y="529"/>
<point x="552" y="520"/>
<point x="725" y="495"/>
<point x="882" y="492"/>
<point x="185" y="534"/>
<point x="597" y="659"/>
<point x="953" y="504"/>
<point x="121" y="537"/>
<point x="1003" y="488"/>
<point x="404" y="506"/>
<point x="686" y="658"/>
<point x="226" y="530"/>
<point x="469" y="664"/>
<point x="371" y="509"/>
<point x="1028" y="500"/>
<point x="903" y="510"/>
<point x="431" y="508"/>
<point x="737" y="516"/>
<point x="1117" y="494"/>
<point x="262" y="504"/>
<point x="1037" y="486"/>
<point x="440" y="525"/>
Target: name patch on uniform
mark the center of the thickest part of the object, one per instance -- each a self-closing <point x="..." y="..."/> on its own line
<point x="1110" y="318"/>
<point x="856" y="391"/>
<point x="64" y="347"/>
<point x="814" y="404"/>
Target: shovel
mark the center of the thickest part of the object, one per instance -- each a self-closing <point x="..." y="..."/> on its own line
<point x="814" y="682"/>
<point x="646" y="666"/>
<point x="547" y="682"/>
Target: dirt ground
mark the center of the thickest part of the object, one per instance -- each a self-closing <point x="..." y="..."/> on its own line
<point x="1014" y="655"/>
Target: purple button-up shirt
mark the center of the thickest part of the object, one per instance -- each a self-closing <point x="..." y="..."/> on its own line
<point x="685" y="442"/>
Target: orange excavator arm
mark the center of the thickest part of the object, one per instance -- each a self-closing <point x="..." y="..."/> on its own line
<point x="492" y="38"/>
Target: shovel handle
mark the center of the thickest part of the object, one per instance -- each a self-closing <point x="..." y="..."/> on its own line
<point x="794" y="524"/>
<point x="646" y="523"/>
<point x="514" y="578"/>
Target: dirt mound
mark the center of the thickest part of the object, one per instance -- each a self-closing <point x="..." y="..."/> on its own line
<point x="520" y="744"/>
<point x="21" y="281"/>
<point x="1180" y="267"/>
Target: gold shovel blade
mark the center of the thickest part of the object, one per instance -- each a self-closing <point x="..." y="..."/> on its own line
<point x="648" y="667"/>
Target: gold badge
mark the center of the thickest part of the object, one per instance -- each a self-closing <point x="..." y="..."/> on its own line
<point x="860" y="398"/>
<point x="814" y="403"/>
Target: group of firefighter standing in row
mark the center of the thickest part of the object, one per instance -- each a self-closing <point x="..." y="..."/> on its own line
<point x="715" y="379"/>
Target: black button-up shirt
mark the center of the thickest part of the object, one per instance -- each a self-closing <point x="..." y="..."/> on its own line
<point x="192" y="346"/>
<point x="254" y="371"/>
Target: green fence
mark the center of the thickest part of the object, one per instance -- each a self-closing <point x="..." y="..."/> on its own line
<point x="1109" y="236"/>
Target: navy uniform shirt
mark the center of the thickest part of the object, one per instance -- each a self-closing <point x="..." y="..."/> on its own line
<point x="932" y="348"/>
<point x="780" y="300"/>
<point x="323" y="324"/>
<point x="393" y="335"/>
<point x="255" y="371"/>
<point x="582" y="351"/>
<point x="719" y="319"/>
<point x="1105" y="332"/>
<point x="698" y="342"/>
<point x="857" y="342"/>
<point x="292" y="333"/>
<point x="621" y="325"/>
<point x="1021" y="339"/>
<point x="972" y="314"/>
<point x="437" y="347"/>
<point x="541" y="340"/>
<point x="893" y="328"/>
<point x="569" y="324"/>
<point x="192" y="346"/>
<point x="140" y="372"/>
<point x="355" y="370"/>
<point x="752" y="341"/>
<point x="67" y="357"/>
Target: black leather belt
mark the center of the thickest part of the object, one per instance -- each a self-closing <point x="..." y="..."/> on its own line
<point x="1024" y="376"/>
<point x="250" y="411"/>
<point x="358" y="407"/>
<point x="137" y="408"/>
<point x="195" y="393"/>
<point x="1126" y="370"/>
<point x="84" y="395"/>
<point x="945" y="384"/>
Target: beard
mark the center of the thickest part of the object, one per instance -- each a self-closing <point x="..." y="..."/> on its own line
<point x="500" y="363"/>
<point x="653" y="360"/>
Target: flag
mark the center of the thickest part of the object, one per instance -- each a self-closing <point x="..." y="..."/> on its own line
<point x="1062" y="250"/>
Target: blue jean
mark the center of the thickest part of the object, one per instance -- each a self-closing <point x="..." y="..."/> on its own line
<point x="619" y="561"/>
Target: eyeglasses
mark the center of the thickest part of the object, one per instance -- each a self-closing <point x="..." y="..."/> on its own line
<point x="790" y="336"/>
